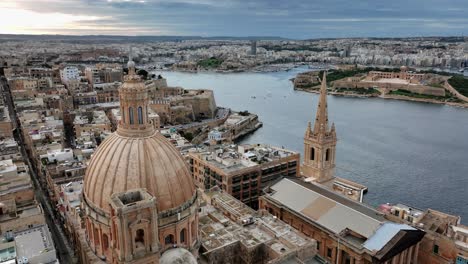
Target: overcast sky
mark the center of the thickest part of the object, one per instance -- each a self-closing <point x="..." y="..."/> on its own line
<point x="299" y="19"/>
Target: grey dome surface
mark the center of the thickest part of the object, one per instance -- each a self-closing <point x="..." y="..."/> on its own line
<point x="177" y="256"/>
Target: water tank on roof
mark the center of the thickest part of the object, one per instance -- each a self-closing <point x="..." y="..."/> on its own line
<point x="9" y="236"/>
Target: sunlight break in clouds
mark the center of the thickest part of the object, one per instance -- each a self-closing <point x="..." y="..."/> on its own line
<point x="18" y="21"/>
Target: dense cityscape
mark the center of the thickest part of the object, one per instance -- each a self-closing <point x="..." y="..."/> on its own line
<point x="62" y="101"/>
<point x="104" y="160"/>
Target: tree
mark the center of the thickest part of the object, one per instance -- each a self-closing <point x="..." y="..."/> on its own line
<point x="188" y="136"/>
<point x="143" y="73"/>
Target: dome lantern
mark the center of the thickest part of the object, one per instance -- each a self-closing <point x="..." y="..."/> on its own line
<point x="134" y="105"/>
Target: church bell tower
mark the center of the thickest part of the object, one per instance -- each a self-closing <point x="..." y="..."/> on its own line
<point x="320" y="144"/>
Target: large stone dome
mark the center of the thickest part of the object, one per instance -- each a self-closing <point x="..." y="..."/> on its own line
<point x="123" y="163"/>
<point x="137" y="189"/>
<point x="177" y="256"/>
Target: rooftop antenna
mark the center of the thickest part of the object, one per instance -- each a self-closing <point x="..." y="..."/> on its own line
<point x="131" y="63"/>
<point x="130" y="57"/>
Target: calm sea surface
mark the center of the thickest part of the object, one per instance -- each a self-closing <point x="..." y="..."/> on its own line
<point x="405" y="152"/>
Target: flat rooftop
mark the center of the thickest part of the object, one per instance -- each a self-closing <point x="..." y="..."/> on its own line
<point x="22" y="213"/>
<point x="438" y="222"/>
<point x="231" y="158"/>
<point x="217" y="230"/>
<point x="33" y="242"/>
<point x="4" y="115"/>
<point x="7" y="252"/>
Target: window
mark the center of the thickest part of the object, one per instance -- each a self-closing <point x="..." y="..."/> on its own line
<point x="140" y="115"/>
<point x="329" y="252"/>
<point x="140" y="236"/>
<point x="182" y="236"/>
<point x="105" y="242"/>
<point x="96" y="236"/>
<point x="318" y="245"/>
<point x="169" y="239"/>
<point x="327" y="155"/>
<point x="193" y="229"/>
<point x="435" y="249"/>
<point x="312" y="154"/>
<point x="130" y="115"/>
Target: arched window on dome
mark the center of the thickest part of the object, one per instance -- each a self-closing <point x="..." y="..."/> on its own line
<point x="140" y="115"/>
<point x="130" y="115"/>
<point x="193" y="230"/>
<point x="182" y="235"/>
<point x="140" y="238"/>
<point x="169" y="240"/>
<point x="113" y="231"/>
<point x="105" y="242"/>
<point x="89" y="230"/>
<point x="96" y="236"/>
<point x="327" y="155"/>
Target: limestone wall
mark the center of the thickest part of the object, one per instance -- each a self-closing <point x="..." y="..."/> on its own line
<point x="447" y="249"/>
<point x="203" y="104"/>
<point x="419" y="89"/>
<point x="22" y="223"/>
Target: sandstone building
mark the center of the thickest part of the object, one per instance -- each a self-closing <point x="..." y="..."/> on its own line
<point x="320" y="152"/>
<point x="139" y="200"/>
<point x="446" y="240"/>
<point x="346" y="231"/>
<point x="6" y="126"/>
<point x="328" y="209"/>
<point x="243" y="170"/>
<point x="232" y="232"/>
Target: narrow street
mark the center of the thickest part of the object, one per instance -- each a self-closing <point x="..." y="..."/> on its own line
<point x="65" y="252"/>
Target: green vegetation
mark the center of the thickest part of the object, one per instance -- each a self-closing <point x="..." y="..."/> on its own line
<point x="210" y="63"/>
<point x="460" y="83"/>
<point x="437" y="72"/>
<point x="334" y="75"/>
<point x="143" y="74"/>
<point x="312" y="86"/>
<point x="188" y="136"/>
<point x="415" y="95"/>
<point x="370" y="91"/>
<point x="244" y="113"/>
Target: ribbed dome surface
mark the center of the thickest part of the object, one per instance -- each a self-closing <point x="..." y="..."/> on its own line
<point x="125" y="163"/>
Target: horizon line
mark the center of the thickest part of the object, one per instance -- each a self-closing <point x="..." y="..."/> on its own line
<point x="258" y="37"/>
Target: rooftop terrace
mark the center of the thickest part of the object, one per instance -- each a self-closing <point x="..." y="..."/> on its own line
<point x="235" y="157"/>
<point x="227" y="221"/>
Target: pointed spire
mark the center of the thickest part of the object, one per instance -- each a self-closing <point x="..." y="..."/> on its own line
<point x="131" y="63"/>
<point x="321" y="119"/>
<point x="309" y="129"/>
<point x="333" y="130"/>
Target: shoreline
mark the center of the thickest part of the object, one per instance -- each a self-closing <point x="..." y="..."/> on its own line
<point x="267" y="68"/>
<point x="390" y="97"/>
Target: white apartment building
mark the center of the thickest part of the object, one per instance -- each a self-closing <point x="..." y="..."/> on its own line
<point x="69" y="73"/>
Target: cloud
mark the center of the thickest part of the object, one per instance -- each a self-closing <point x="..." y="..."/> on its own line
<point x="25" y="21"/>
<point x="292" y="18"/>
